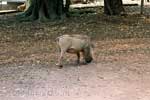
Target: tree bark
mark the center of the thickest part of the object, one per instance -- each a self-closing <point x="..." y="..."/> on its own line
<point x="113" y="7"/>
<point x="142" y="6"/>
<point x="43" y="10"/>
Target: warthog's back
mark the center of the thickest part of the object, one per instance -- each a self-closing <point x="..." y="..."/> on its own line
<point x="77" y="42"/>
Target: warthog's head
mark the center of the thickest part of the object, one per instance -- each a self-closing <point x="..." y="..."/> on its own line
<point x="87" y="55"/>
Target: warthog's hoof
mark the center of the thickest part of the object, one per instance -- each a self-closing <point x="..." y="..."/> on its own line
<point x="59" y="65"/>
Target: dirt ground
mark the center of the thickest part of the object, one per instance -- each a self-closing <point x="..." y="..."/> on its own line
<point x="120" y="70"/>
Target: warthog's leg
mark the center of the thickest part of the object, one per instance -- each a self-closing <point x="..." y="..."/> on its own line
<point x="78" y="57"/>
<point x="60" y="59"/>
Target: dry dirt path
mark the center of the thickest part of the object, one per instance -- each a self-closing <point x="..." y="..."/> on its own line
<point x="120" y="80"/>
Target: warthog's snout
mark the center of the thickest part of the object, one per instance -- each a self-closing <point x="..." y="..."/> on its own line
<point x="75" y="44"/>
<point x="88" y="60"/>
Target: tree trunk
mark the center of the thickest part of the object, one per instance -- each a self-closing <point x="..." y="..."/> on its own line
<point x="67" y="6"/>
<point x="113" y="7"/>
<point x="142" y="6"/>
<point x="43" y="10"/>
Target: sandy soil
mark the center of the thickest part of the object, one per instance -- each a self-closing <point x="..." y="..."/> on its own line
<point x="120" y="73"/>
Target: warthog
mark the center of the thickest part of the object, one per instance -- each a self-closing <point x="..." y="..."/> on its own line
<point x="75" y="44"/>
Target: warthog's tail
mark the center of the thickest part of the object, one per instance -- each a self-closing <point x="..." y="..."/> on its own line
<point x="58" y="47"/>
<point x="57" y="40"/>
